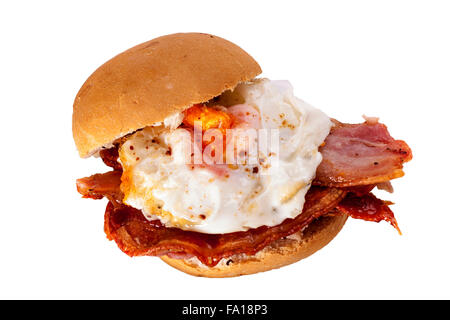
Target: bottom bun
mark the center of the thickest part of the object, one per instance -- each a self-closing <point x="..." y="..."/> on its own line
<point x="278" y="254"/>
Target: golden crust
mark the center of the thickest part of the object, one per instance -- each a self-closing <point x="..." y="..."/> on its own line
<point x="152" y="81"/>
<point x="280" y="253"/>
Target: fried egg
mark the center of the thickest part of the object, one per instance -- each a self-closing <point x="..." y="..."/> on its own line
<point x="224" y="198"/>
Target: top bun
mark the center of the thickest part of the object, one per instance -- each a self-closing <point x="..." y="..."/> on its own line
<point x="152" y="81"/>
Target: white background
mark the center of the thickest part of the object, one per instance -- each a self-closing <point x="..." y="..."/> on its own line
<point x="389" y="59"/>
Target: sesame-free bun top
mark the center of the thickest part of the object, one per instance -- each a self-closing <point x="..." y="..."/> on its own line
<point x="152" y="81"/>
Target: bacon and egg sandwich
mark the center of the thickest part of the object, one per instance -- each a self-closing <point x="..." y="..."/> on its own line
<point x="216" y="171"/>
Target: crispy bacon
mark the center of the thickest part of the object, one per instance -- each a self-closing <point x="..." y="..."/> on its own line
<point x="137" y="236"/>
<point x="110" y="156"/>
<point x="361" y="154"/>
<point x="369" y="208"/>
<point x="101" y="185"/>
<point x="360" y="190"/>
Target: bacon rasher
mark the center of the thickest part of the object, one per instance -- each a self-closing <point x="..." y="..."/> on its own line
<point x="361" y="154"/>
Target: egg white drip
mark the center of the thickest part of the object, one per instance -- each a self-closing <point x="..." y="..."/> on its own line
<point x="199" y="200"/>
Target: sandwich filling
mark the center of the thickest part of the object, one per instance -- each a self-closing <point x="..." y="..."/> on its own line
<point x="269" y="157"/>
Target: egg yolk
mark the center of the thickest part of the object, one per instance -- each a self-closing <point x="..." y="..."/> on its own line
<point x="209" y="118"/>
